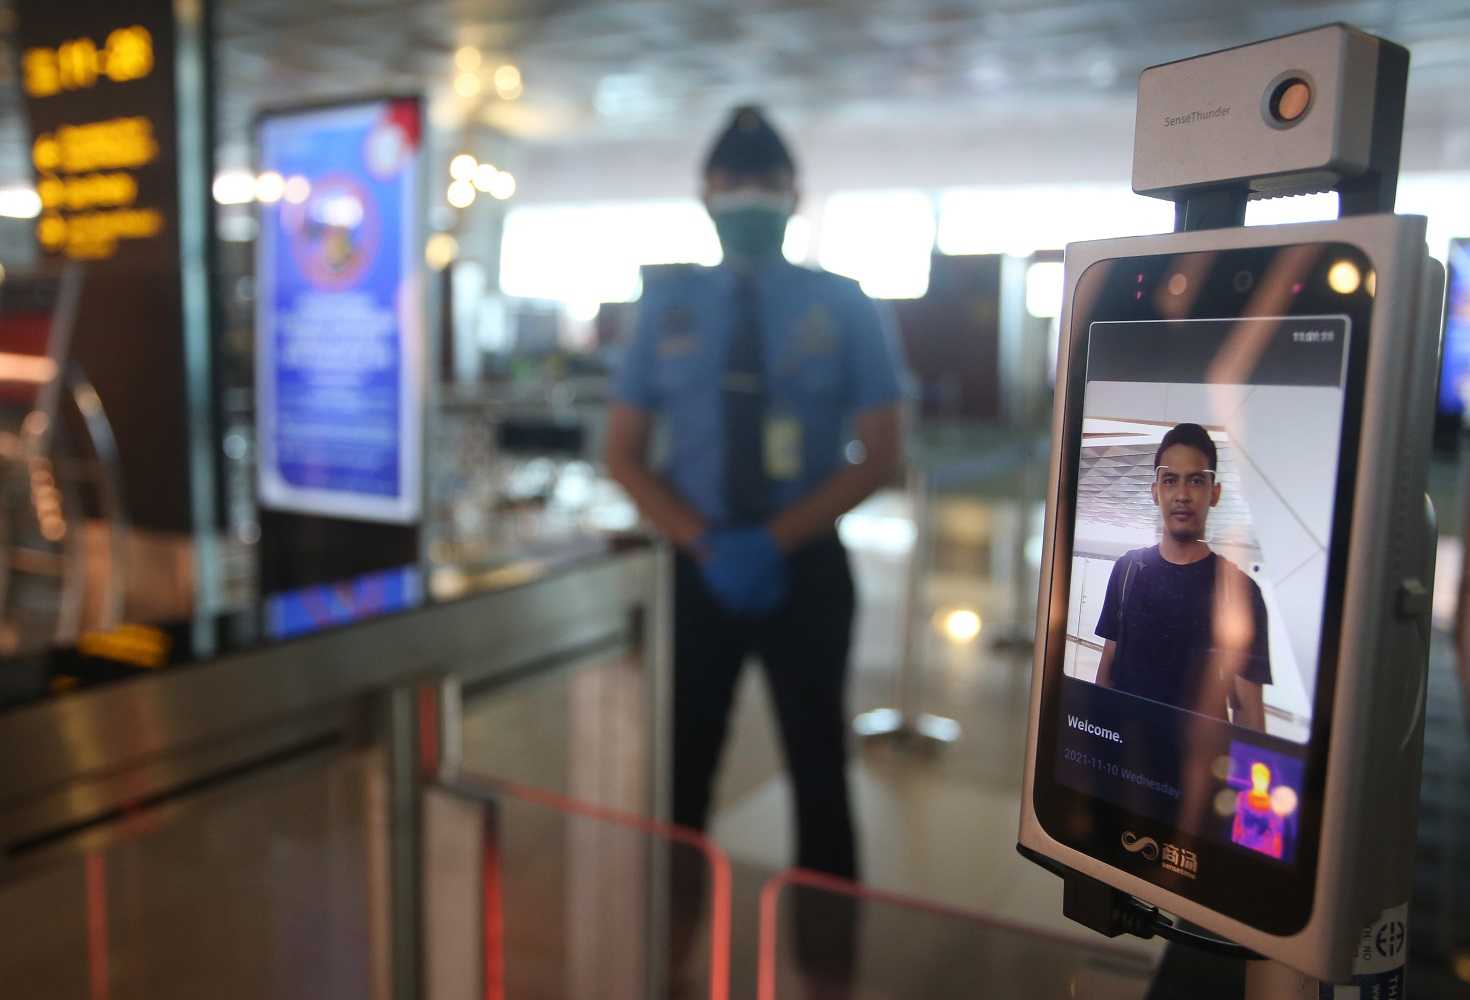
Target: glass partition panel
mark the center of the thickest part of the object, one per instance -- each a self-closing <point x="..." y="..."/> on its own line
<point x="529" y="894"/>
<point x="280" y="891"/>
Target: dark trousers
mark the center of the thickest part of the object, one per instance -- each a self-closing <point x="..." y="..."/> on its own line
<point x="803" y="648"/>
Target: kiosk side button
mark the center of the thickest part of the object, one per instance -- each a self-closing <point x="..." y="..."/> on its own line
<point x="1414" y="599"/>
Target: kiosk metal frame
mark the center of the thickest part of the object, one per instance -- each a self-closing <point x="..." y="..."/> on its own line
<point x="1365" y="855"/>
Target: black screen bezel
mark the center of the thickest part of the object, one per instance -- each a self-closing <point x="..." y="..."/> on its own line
<point x="1254" y="889"/>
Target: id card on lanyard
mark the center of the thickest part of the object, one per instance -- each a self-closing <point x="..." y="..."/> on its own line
<point x="783" y="447"/>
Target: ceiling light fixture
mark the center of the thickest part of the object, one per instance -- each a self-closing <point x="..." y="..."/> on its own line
<point x="467" y="85"/>
<point x="504" y="186"/>
<point x="961" y="625"/>
<point x="484" y="177"/>
<point x="270" y="187"/>
<point x="461" y="194"/>
<point x="234" y="187"/>
<point x="462" y="167"/>
<point x="298" y="189"/>
<point x="440" y="251"/>
<point x="508" y="83"/>
<point x="467" y="59"/>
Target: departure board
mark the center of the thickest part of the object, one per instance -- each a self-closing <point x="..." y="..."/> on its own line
<point x="116" y="98"/>
<point x="98" y="84"/>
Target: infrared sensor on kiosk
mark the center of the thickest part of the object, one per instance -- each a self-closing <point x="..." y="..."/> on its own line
<point x="1284" y="116"/>
<point x="1226" y="716"/>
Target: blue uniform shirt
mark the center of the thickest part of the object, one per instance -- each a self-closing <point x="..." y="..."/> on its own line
<point x="828" y="354"/>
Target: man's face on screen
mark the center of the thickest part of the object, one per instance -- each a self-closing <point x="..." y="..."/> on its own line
<point x="1185" y="489"/>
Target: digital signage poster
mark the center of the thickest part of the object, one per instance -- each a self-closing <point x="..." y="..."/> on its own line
<point x="312" y="609"/>
<point x="339" y="328"/>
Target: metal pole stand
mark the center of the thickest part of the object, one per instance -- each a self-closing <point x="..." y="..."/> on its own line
<point x="420" y="731"/>
<point x="902" y="723"/>
<point x="1019" y="633"/>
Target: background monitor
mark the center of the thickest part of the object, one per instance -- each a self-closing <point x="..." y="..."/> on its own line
<point x="1454" y="358"/>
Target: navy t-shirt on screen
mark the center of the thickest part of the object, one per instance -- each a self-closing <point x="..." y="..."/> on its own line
<point x="1162" y="616"/>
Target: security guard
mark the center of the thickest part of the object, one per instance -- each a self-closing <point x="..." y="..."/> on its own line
<point x="763" y="372"/>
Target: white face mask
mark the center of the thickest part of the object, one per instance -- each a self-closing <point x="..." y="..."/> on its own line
<point x="751" y="222"/>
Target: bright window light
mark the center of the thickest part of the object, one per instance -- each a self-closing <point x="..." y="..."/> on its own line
<point x="797" y="247"/>
<point x="19" y="202"/>
<point x="1297" y="208"/>
<point x="1444" y="198"/>
<point x="234" y="187"/>
<point x="1044" y="289"/>
<point x="582" y="254"/>
<point x="586" y="253"/>
<point x="1023" y="218"/>
<point x="584" y="312"/>
<point x="884" y="239"/>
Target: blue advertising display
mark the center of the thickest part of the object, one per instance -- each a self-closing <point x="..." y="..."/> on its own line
<point x="339" y="329"/>
<point x="1454" y="372"/>
<point x="312" y="609"/>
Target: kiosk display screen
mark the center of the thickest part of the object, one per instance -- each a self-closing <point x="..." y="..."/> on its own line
<point x="1204" y="501"/>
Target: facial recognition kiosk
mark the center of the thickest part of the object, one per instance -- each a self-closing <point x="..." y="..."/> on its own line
<point x="1226" y="714"/>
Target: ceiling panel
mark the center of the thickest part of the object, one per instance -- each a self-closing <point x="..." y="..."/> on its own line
<point x="606" y="70"/>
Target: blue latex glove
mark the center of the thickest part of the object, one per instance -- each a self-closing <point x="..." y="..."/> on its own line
<point x="745" y="570"/>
